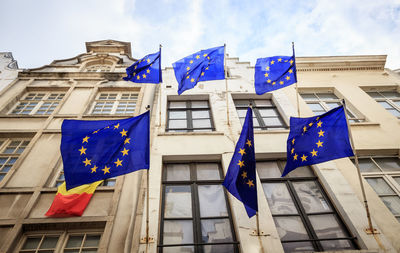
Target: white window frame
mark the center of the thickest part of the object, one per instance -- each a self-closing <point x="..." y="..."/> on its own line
<point x="38" y="103"/>
<point x="115" y="103"/>
<point x="390" y="101"/>
<point x="5" y="143"/>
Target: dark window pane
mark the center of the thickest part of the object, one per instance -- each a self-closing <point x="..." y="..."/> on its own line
<point x="216" y="230"/>
<point x="393" y="203"/>
<point x="178" y="232"/>
<point x="375" y="94"/>
<point x="336" y="245"/>
<point x="49" y="242"/>
<point x="279" y="199"/>
<point x="290" y="228"/>
<point x="268" y="170"/>
<point x="178" y="201"/>
<point x="308" y="97"/>
<point x="74" y="241"/>
<point x="366" y="165"/>
<point x="181" y="249"/>
<point x="177" y="172"/>
<point x="380" y="186"/>
<point x="326" y="226"/>
<point x="212" y="201"/>
<point x="327" y="96"/>
<point x="311" y="197"/>
<point x="298" y="247"/>
<point x="92" y="241"/>
<point x="390" y="94"/>
<point x="31" y="243"/>
<point x="301" y="172"/>
<point x="207" y="171"/>
<point x="222" y="248"/>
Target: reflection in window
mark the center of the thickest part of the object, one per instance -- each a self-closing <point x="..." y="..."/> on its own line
<point x="195" y="214"/>
<point x="10" y="150"/>
<point x="390" y="100"/>
<point x="303" y="215"/>
<point x="40" y="103"/>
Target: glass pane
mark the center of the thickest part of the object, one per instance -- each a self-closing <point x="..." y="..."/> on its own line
<point x="397" y="179"/>
<point x="268" y="112"/>
<point x="178" y="201"/>
<point x="177" y="124"/>
<point x="327" y="96"/>
<point x="374" y="94"/>
<point x="366" y="165"/>
<point x="200" y="114"/>
<point x="199" y="104"/>
<point x="177" y="114"/>
<point x="326" y="226"/>
<point x="388" y="164"/>
<point x="212" y="201"/>
<point x="176" y="104"/>
<point x="311" y="197"/>
<point x="268" y="170"/>
<point x="290" y="228"/>
<point x="74" y="241"/>
<point x="181" y="249"/>
<point x="31" y="243"/>
<point x="380" y="186"/>
<point x="298" y="247"/>
<point x="89" y="250"/>
<point x="178" y="172"/>
<point x="395" y="112"/>
<point x="308" y="97"/>
<point x="222" y="248"/>
<point x="242" y="102"/>
<point x="337" y="245"/>
<point x="178" y="232"/>
<point x="241" y="113"/>
<point x="207" y="171"/>
<point x="301" y="172"/>
<point x="315" y="107"/>
<point x="279" y="199"/>
<point x="201" y="123"/>
<point x="385" y="104"/>
<point x="92" y="241"/>
<point x="393" y="203"/>
<point x="390" y="94"/>
<point x="273" y="122"/>
<point x="216" y="230"/>
<point x="49" y="242"/>
<point x="266" y="102"/>
<point x="332" y="105"/>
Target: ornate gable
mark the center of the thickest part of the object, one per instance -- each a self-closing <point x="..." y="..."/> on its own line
<point x="109" y="46"/>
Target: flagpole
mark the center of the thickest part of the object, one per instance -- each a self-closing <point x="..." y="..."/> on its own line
<point x="226" y="85"/>
<point x="297" y="87"/>
<point x="159" y="88"/>
<point x="147" y="203"/>
<point x="370" y="229"/>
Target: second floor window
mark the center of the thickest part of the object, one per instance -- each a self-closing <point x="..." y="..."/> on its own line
<point x="189" y="116"/>
<point x="320" y="103"/>
<point x="38" y="103"/>
<point x="390" y="100"/>
<point x="10" y="150"/>
<point x="265" y="114"/>
<point x="115" y="103"/>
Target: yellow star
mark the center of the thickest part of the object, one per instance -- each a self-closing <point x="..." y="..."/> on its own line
<point x="144" y="76"/>
<point x="281" y="82"/>
<point x="319" y="124"/>
<point x="266" y="74"/>
<point x="95" y="132"/>
<point x="268" y="81"/>
<point x="273" y="83"/>
<point x="123" y="133"/>
<point x="127" y="140"/>
<point x="244" y="174"/>
<point x="197" y="56"/>
<point x="280" y="60"/>
<point x="304" y="129"/>
<point x="311" y="124"/>
<point x="94" y="169"/>
<point x="138" y="77"/>
<point x="85" y="139"/>
<point x="106" y="169"/>
<point x="148" y="60"/>
<point x="148" y="71"/>
<point x="295" y="157"/>
<point x="136" y="66"/>
<point x="267" y="68"/>
<point x="272" y="62"/>
<point x="207" y="68"/>
<point x="118" y="162"/>
<point x="303" y="158"/>
<point x="291" y="62"/>
<point x="290" y="71"/>
<point x="314" y="153"/>
<point x="250" y="183"/>
<point x="116" y="126"/>
<point x="202" y="73"/>
<point x="187" y="68"/>
<point x="292" y="151"/>
<point x="204" y="55"/>
<point x="83" y="150"/>
<point x="107" y="127"/>
<point x="191" y="61"/>
<point x="124" y="152"/>
<point x="87" y="162"/>
<point x="208" y="57"/>
<point x="192" y="80"/>
<point x="288" y="78"/>
<point x="319" y="143"/>
<point x="241" y="151"/>
<point x="321" y="133"/>
<point x="241" y="164"/>
<point x="293" y="141"/>
<point x="248" y="142"/>
<point x="187" y="77"/>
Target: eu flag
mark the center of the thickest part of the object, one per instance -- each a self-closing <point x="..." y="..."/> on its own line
<point x="317" y="139"/>
<point x="275" y="72"/>
<point x="146" y="70"/>
<point x="204" y="65"/>
<point x="240" y="180"/>
<point x="100" y="149"/>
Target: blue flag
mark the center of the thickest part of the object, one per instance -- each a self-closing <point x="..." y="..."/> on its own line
<point x="146" y="70"/>
<point x="240" y="180"/>
<point x="100" y="149"/>
<point x="317" y="139"/>
<point x="275" y="72"/>
<point x="204" y="65"/>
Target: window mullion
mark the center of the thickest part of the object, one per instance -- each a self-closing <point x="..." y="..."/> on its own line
<point x="189" y="118"/>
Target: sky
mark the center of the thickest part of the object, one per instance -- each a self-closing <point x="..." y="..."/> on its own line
<point x="38" y="32"/>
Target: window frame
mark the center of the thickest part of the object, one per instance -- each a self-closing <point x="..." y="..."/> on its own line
<point x="313" y="238"/>
<point x="390" y="101"/>
<point x="189" y="117"/>
<point x="40" y="103"/>
<point x="257" y="114"/>
<point x="115" y="102"/>
<point x="195" y="206"/>
<point x="4" y="145"/>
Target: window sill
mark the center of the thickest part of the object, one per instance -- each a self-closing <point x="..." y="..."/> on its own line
<point x="117" y="116"/>
<point x="280" y="131"/>
<point x="19" y="116"/>
<point x="365" y="124"/>
<point x="189" y="133"/>
<point x="99" y="188"/>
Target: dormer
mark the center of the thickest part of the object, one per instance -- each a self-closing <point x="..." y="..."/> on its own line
<point x="109" y="46"/>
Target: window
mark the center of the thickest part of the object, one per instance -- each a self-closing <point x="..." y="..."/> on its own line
<point x="383" y="175"/>
<point x="38" y="103"/>
<point x="320" y="103"/>
<point x="189" y="116"/>
<point x="10" y="150"/>
<point x="69" y="242"/>
<point x="98" y="68"/>
<point x="390" y="100"/>
<point x="195" y="215"/>
<point x="61" y="178"/>
<point x="115" y="103"/>
<point x="304" y="217"/>
<point x="265" y="113"/>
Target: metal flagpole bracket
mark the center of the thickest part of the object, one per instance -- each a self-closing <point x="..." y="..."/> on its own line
<point x="368" y="231"/>
<point x="144" y="240"/>
<point x="255" y="233"/>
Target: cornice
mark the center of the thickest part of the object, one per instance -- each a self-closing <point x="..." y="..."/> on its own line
<point x="112" y="76"/>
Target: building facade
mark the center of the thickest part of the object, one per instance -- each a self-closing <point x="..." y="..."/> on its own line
<point x="193" y="136"/>
<point x="8" y="69"/>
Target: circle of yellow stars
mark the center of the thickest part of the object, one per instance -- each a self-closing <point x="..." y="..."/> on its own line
<point x="93" y="167"/>
<point x="200" y="57"/>
<point x="282" y="81"/>
<point x="242" y="152"/>
<point x="143" y="76"/>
